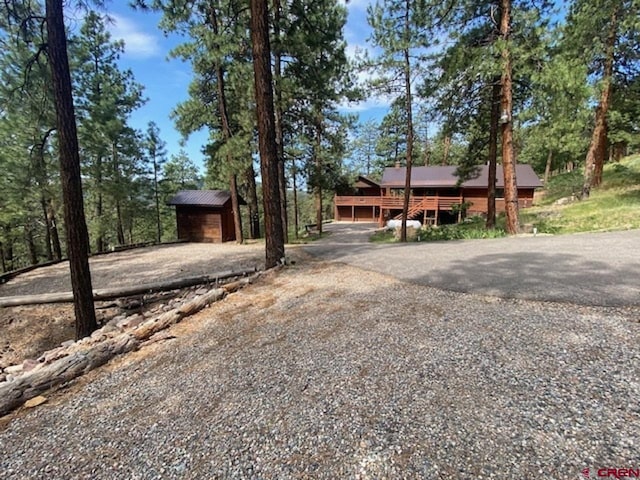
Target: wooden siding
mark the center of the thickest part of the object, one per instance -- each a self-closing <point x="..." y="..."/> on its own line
<point x="357" y="213"/>
<point x="362" y="208"/>
<point x="477" y="197"/>
<point x="204" y="224"/>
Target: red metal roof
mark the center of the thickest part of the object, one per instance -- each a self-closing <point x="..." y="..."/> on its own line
<point x="421" y="177"/>
<point x="202" y="198"/>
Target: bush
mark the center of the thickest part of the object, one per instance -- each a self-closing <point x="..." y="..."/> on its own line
<point x="472" y="228"/>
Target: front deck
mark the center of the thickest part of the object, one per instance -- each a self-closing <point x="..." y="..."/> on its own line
<point x="377" y="208"/>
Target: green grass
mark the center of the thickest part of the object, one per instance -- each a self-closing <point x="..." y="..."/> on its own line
<point x="615" y="205"/>
<point x="471" y="228"/>
<point x="383" y="236"/>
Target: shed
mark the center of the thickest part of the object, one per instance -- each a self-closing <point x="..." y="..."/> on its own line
<point x="205" y="215"/>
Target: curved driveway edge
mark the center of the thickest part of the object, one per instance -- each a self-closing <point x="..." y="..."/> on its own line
<point x="601" y="269"/>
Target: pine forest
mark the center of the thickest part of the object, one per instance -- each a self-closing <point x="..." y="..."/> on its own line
<point x="552" y="84"/>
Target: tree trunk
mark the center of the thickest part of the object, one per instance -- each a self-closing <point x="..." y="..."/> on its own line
<point x="235" y="207"/>
<point x="447" y="147"/>
<point x="547" y="167"/>
<point x="77" y="235"/>
<point x="8" y="250"/>
<point x="40" y="175"/>
<point x="119" y="224"/>
<point x="506" y="108"/>
<point x="254" y="213"/>
<point x="53" y="226"/>
<point x="157" y="198"/>
<point x="598" y="145"/>
<point x="4" y="265"/>
<point x="261" y="50"/>
<point x="409" y="158"/>
<point x="427" y="153"/>
<point x="294" y="174"/>
<point x="31" y="244"/>
<point x="493" y="153"/>
<point x="277" y="85"/>
<point x="317" y="189"/>
<point x="47" y="231"/>
<point x="227" y="133"/>
<point x="99" y="206"/>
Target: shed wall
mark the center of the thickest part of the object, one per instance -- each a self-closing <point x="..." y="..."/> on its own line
<point x="202" y="224"/>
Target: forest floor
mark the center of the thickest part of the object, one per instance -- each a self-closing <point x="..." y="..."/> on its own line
<point x="28" y="331"/>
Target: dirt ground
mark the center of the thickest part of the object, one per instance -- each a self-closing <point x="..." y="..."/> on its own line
<point x="28" y="331"/>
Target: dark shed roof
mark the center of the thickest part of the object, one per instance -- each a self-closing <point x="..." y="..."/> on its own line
<point x="202" y="198"/>
<point x="446" y="177"/>
<point x="364" y="182"/>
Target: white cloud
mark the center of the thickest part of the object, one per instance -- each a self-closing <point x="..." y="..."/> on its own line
<point x="357" y="4"/>
<point x="363" y="106"/>
<point x="137" y="43"/>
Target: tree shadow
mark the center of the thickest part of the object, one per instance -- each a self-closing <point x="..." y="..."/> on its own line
<point x="541" y="276"/>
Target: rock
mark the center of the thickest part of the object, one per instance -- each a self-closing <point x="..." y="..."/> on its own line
<point x="34" y="402"/>
<point x="68" y="343"/>
<point x="202" y="291"/>
<point x="565" y="200"/>
<point x="3" y="377"/>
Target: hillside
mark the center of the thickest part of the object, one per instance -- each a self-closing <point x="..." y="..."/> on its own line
<point x="615" y="205"/>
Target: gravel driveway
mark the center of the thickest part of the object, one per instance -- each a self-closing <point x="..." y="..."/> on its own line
<point x="587" y="269"/>
<point x="325" y="370"/>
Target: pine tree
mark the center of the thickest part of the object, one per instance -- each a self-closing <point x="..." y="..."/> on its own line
<point x="156" y="155"/>
<point x="398" y="31"/>
<point x="76" y="227"/>
<point x="604" y="35"/>
<point x="106" y="96"/>
<point x="266" y="132"/>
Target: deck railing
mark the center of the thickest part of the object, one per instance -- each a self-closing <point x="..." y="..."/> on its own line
<point x="396" y="202"/>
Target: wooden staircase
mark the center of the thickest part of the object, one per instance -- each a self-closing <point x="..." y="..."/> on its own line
<point x="415" y="210"/>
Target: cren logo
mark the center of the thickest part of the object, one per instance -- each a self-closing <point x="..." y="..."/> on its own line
<point x="619" y="472"/>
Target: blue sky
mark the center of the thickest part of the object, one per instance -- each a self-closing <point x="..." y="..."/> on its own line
<point x="166" y="81"/>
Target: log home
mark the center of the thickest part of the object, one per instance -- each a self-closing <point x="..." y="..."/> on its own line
<point x="204" y="215"/>
<point x="435" y="193"/>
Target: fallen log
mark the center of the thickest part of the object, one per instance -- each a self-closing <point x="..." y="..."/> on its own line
<point x="90" y="353"/>
<point x="124" y="291"/>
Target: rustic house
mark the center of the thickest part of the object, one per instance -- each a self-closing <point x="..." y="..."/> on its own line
<point x="434" y="192"/>
<point x="204" y="215"/>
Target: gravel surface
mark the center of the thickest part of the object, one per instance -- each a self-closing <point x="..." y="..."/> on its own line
<point x="329" y="371"/>
<point x="142" y="265"/>
<point x="601" y="269"/>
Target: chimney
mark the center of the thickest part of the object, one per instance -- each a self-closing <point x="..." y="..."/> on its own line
<point x="397" y="163"/>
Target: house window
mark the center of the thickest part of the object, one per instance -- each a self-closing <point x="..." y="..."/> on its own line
<point x="499" y="192"/>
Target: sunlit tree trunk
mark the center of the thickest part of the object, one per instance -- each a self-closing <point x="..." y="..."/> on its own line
<point x="76" y="227"/>
<point x="274" y="250"/>
<point x="596" y="154"/>
<point x="409" y="158"/>
<point x="493" y="153"/>
<point x="506" y="108"/>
